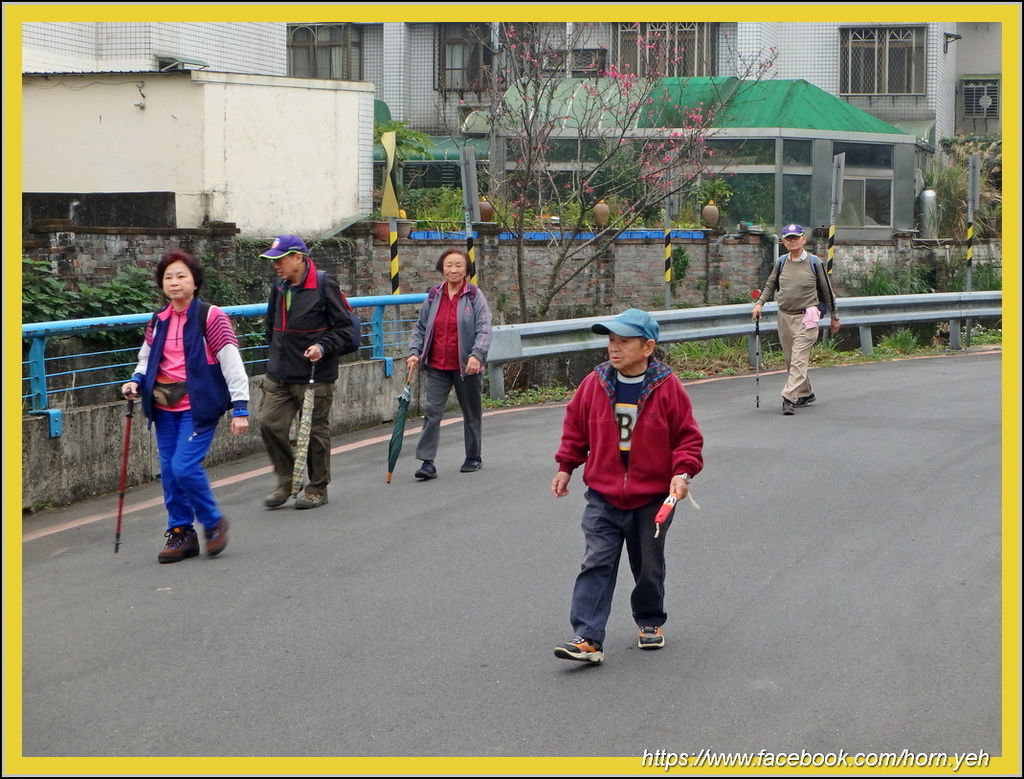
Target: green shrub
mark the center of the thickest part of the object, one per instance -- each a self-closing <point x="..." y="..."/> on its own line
<point x="903" y="341"/>
<point x="43" y="296"/>
<point x="984" y="276"/>
<point x="441" y="208"/>
<point x="900" y="279"/>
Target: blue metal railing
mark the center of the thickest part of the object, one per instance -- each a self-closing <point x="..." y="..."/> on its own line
<point x="381" y="334"/>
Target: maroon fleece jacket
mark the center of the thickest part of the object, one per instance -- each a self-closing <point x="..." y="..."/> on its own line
<point x="666" y="438"/>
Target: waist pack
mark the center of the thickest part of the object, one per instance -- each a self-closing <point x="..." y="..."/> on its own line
<point x="168" y="394"/>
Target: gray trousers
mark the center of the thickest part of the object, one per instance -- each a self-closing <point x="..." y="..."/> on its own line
<point x="469" y="393"/>
<point x="280" y="404"/>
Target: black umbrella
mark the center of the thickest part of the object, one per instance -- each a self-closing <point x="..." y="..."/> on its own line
<point x="302" y="440"/>
<point x="398" y="434"/>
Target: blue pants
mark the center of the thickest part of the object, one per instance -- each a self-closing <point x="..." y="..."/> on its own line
<point x="605" y="528"/>
<point x="187" y="493"/>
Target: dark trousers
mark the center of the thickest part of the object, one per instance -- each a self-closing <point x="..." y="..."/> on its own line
<point x="280" y="404"/>
<point x="605" y="528"/>
<point x="469" y="393"/>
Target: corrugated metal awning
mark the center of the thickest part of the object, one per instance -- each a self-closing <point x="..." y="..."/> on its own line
<point x="442" y="148"/>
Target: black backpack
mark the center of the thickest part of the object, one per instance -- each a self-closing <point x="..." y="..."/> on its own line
<point x="354" y="341"/>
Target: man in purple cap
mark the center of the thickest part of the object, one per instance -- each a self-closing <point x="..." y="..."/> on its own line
<point x="631" y="422"/>
<point x="804" y="294"/>
<point x="307" y="324"/>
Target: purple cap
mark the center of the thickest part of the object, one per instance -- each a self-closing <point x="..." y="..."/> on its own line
<point x="285" y="244"/>
<point x="631" y="323"/>
<point x="793" y="229"/>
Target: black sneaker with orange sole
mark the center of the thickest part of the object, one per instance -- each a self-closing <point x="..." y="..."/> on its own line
<point x="581" y="649"/>
<point x="650" y="638"/>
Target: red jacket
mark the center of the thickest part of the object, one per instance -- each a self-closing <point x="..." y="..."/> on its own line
<point x="666" y="438"/>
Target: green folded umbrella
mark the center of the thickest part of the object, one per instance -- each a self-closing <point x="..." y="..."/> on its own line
<point x="302" y="440"/>
<point x="398" y="433"/>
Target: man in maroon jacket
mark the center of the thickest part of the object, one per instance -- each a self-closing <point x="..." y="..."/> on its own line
<point x="631" y="422"/>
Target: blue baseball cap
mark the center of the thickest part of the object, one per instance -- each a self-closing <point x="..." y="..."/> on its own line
<point x="631" y="323"/>
<point x="285" y="244"/>
<point x="793" y="229"/>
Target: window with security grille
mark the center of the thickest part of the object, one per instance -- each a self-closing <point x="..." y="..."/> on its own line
<point x="981" y="98"/>
<point x="667" y="48"/>
<point x="325" y="51"/>
<point x="577" y="63"/>
<point x="463" y="57"/>
<point x="882" y="61"/>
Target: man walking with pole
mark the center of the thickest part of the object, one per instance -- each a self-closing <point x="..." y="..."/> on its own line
<point x="804" y="294"/>
<point x="306" y="323"/>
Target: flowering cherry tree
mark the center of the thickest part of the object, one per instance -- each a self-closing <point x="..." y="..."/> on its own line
<point x="566" y="135"/>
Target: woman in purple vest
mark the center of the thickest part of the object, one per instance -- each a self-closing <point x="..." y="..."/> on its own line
<point x="190" y="373"/>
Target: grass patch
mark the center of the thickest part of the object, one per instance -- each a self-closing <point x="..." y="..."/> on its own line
<point x="534" y="396"/>
<point x="694" y="360"/>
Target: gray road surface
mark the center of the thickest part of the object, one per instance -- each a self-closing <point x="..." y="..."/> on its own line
<point x="838" y="589"/>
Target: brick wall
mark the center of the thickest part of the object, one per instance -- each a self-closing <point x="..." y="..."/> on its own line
<point x="722" y="268"/>
<point x="91" y="254"/>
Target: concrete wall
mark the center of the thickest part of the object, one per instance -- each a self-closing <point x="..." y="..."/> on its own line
<point x="235" y="47"/>
<point x="282" y="154"/>
<point x="86" y="459"/>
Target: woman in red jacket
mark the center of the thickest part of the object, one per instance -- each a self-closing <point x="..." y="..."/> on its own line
<point x="631" y="422"/>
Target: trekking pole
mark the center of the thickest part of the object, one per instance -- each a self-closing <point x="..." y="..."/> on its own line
<point x="124" y="471"/>
<point x="757" y="353"/>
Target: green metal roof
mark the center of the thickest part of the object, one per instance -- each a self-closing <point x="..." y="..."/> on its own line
<point x="795" y="104"/>
<point x="598" y="104"/>
<point x="777" y="103"/>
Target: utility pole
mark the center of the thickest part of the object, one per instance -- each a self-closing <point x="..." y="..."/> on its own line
<point x="973" y="198"/>
<point x="496" y="153"/>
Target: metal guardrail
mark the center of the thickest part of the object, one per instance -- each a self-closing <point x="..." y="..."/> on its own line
<point x="546" y="339"/>
<point x="379" y="333"/>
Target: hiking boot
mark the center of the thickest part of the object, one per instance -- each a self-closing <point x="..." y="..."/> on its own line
<point x="582" y="649"/>
<point x="787" y="407"/>
<point x="651" y="638"/>
<point x="426" y="471"/>
<point x="470" y="466"/>
<point x="805" y="401"/>
<point x="182" y="542"/>
<point x="310" y="500"/>
<point x="277" y="498"/>
<point x="216" y="537"/>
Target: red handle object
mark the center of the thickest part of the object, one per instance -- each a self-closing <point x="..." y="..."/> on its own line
<point x="663" y="512"/>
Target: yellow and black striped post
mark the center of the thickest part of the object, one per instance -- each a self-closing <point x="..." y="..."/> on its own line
<point x="393" y="243"/>
<point x="389" y="204"/>
<point x="470" y="254"/>
<point x="668" y="259"/>
<point x="831" y="253"/>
